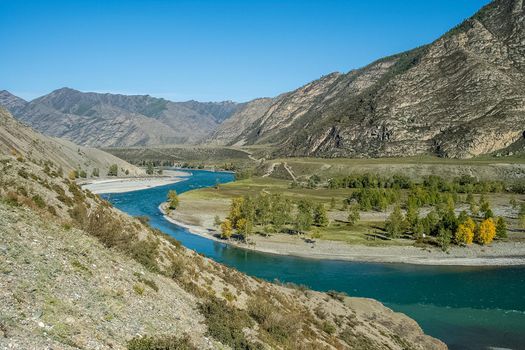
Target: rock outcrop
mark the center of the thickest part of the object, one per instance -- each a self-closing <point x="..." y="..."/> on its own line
<point x="460" y="96"/>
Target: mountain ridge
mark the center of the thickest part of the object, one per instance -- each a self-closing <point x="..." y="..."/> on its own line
<point x="441" y="98"/>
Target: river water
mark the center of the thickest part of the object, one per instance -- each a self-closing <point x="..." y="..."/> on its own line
<point x="466" y="307"/>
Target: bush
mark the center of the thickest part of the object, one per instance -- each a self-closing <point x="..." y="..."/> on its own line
<point x="226" y="323"/>
<point x="161" y="343"/>
<point x="113" y="170"/>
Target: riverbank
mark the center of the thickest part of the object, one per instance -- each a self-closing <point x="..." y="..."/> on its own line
<point x="496" y="254"/>
<point x="128" y="184"/>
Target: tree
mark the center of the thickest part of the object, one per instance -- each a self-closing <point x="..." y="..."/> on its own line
<point x="303" y="219"/>
<point x="226" y="229"/>
<point x="464" y="234"/>
<point x="412" y="216"/>
<point x="173" y="199"/>
<point x="149" y="168"/>
<point x="95" y="172"/>
<point x="281" y="209"/>
<point x="82" y="174"/>
<point x="484" y="207"/>
<point x="443" y="238"/>
<point x="419" y="230"/>
<point x="235" y="210"/>
<point x="513" y="203"/>
<point x="486" y="231"/>
<point x="501" y="228"/>
<point x="217" y="221"/>
<point x="245" y="227"/>
<point x="113" y="170"/>
<point x="320" y="216"/>
<point x="394" y="224"/>
<point x="353" y="215"/>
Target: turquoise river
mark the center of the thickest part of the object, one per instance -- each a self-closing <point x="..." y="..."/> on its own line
<point x="466" y="307"/>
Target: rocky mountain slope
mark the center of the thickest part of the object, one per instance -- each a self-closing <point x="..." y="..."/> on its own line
<point x="103" y="120"/>
<point x="460" y="96"/>
<point x="20" y="140"/>
<point x="77" y="273"/>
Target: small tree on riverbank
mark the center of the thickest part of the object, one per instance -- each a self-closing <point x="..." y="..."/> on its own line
<point x="486" y="231"/>
<point x="320" y="216"/>
<point x="353" y="215"/>
<point x="226" y="229"/>
<point x="395" y="223"/>
<point x="173" y="199"/>
<point x="501" y="228"/>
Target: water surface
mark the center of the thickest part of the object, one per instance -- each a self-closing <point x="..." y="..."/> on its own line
<point x="466" y="307"/>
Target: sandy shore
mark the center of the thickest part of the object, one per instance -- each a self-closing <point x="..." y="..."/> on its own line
<point x="497" y="254"/>
<point x="119" y="185"/>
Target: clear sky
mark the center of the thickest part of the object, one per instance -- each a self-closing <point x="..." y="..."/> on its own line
<point x="206" y="50"/>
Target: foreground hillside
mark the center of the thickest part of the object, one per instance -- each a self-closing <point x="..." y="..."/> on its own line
<point x="103" y="120"/>
<point x="19" y="140"/>
<point x="77" y="273"/>
<point x="460" y="96"/>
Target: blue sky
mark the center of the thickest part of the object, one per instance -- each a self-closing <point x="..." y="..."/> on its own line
<point x="206" y="50"/>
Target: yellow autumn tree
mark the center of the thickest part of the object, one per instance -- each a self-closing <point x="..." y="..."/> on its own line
<point x="464" y="234"/>
<point x="226" y="229"/>
<point x="235" y="211"/>
<point x="486" y="231"/>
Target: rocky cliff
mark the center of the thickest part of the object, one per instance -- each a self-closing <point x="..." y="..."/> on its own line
<point x="460" y="96"/>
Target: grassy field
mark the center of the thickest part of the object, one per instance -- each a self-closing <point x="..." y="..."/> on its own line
<point x="210" y="202"/>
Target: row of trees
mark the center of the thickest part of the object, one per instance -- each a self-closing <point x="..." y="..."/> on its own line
<point x="273" y="212"/>
<point x="445" y="226"/>
<point x="462" y="184"/>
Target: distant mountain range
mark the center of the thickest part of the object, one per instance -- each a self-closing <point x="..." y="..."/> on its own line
<point x="106" y="120"/>
<point x="461" y="96"/>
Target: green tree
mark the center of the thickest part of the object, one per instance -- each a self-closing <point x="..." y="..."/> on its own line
<point x="501" y="228"/>
<point x="217" y="221"/>
<point x="320" y="216"/>
<point x="443" y="238"/>
<point x="95" y="172"/>
<point x="149" y="168"/>
<point x="113" y="170"/>
<point x="303" y="219"/>
<point x="281" y="211"/>
<point x="395" y="223"/>
<point x="353" y="215"/>
<point x="82" y="173"/>
<point x="173" y="199"/>
<point x="412" y="216"/>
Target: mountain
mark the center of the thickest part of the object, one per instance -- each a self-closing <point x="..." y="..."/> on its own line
<point x="76" y="273"/>
<point x="22" y="141"/>
<point x="460" y="96"/>
<point x="11" y="102"/>
<point x="105" y="120"/>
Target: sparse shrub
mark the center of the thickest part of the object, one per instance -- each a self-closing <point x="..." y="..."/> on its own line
<point x="328" y="327"/>
<point x="161" y="343"/>
<point x="138" y="288"/>
<point x="226" y="323"/>
<point x="39" y="201"/>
